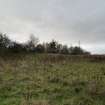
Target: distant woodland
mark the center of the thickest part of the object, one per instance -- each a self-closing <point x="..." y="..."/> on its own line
<point x="33" y="45"/>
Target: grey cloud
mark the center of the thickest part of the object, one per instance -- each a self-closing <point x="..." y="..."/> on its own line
<point x="65" y="20"/>
<point x="91" y="30"/>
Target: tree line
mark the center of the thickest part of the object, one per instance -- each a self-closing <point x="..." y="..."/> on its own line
<point x="33" y="45"/>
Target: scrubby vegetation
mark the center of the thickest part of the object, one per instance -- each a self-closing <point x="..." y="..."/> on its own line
<point x="51" y="79"/>
<point x="49" y="74"/>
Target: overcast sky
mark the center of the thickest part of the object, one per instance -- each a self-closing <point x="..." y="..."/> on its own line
<point x="67" y="21"/>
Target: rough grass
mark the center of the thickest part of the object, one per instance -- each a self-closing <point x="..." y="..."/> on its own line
<point x="40" y="79"/>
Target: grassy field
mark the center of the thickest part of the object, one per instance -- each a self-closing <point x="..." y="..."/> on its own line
<point x="40" y="79"/>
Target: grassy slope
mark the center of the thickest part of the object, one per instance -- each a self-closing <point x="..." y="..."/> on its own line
<point x="51" y="80"/>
